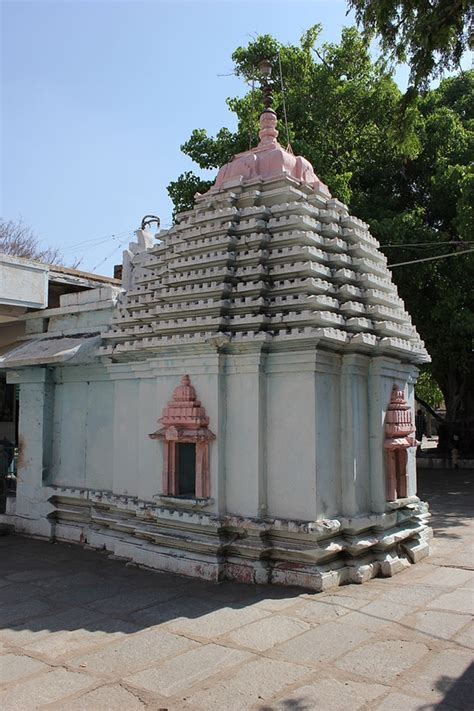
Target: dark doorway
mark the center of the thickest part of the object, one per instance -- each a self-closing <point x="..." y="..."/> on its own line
<point x="186" y="469"/>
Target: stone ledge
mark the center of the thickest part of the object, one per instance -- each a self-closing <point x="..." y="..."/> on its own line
<point x="188" y="502"/>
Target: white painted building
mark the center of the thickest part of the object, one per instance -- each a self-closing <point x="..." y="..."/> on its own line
<point x="27" y="288"/>
<point x="265" y="334"/>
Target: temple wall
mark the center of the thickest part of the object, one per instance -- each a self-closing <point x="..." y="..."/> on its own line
<point x="291" y="444"/>
<point x="151" y="393"/>
<point x="141" y="391"/>
<point x="383" y="374"/>
<point x="126" y="437"/>
<point x="328" y="447"/>
<point x="246" y="436"/>
<point x="361" y="442"/>
<point x="82" y="441"/>
<point x="280" y="449"/>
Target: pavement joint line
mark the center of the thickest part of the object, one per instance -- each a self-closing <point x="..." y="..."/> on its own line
<point x="131" y="690"/>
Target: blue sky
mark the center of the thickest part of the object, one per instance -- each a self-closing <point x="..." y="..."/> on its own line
<point x="97" y="98"/>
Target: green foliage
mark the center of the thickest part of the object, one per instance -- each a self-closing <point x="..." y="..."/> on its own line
<point x="183" y="189"/>
<point x="431" y="35"/>
<point x="428" y="390"/>
<point x="344" y="112"/>
<point x="339" y="107"/>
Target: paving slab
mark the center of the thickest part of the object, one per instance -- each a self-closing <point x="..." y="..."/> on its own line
<point x="47" y="688"/>
<point x="401" y="702"/>
<point x="383" y="661"/>
<point x="253" y="683"/>
<point x="466" y="637"/>
<point x="127" y="602"/>
<point x="266" y="633"/>
<point x="15" y="666"/>
<point x="446" y="674"/>
<point x="109" y="698"/>
<point x="217" y="622"/>
<point x="24" y="611"/>
<point x="449" y="577"/>
<point x="330" y="694"/>
<point x="322" y="609"/>
<point x="437" y="624"/>
<point x="458" y="601"/>
<point x="322" y="644"/>
<point x="65" y="644"/>
<point x="378" y="614"/>
<point x="137" y="652"/>
<point x="179" y="674"/>
<point x="72" y="619"/>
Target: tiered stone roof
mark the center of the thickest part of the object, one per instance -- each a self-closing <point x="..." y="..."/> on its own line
<point x="266" y="254"/>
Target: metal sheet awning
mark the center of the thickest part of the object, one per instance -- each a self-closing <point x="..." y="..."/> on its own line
<point x="51" y="351"/>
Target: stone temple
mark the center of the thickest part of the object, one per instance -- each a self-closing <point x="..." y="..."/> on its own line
<point x="243" y="408"/>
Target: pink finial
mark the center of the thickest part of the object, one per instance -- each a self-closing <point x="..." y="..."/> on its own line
<point x="185" y="380"/>
<point x="268" y="132"/>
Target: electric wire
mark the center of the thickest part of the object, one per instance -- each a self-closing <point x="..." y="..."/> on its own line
<point x="252" y="113"/>
<point x="429" y="259"/>
<point x="284" y="104"/>
<point x="105" y="259"/>
<point x="96" y="240"/>
<point x="427" y="244"/>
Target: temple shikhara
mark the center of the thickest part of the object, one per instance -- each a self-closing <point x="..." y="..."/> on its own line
<point x="242" y="408"/>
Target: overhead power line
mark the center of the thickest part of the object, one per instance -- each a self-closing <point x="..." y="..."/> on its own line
<point x="96" y="240"/>
<point x="105" y="259"/>
<point x="427" y="244"/>
<point x="429" y="259"/>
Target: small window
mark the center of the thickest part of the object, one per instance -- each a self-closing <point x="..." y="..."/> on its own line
<point x="186" y="469"/>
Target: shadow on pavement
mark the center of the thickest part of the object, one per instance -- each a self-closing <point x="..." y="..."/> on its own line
<point x="458" y="693"/>
<point x="62" y="587"/>
<point x="450" y="495"/>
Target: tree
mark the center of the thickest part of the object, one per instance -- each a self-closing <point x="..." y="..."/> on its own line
<point x="19" y="240"/>
<point x="431" y="35"/>
<point x="427" y="389"/>
<point x="416" y="194"/>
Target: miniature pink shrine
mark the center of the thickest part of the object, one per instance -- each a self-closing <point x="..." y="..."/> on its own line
<point x="399" y="436"/>
<point x="186" y="436"/>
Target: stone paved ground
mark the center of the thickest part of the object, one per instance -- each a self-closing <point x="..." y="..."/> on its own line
<point x="81" y="631"/>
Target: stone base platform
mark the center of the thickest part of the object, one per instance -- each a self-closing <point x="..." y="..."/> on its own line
<point x="316" y="555"/>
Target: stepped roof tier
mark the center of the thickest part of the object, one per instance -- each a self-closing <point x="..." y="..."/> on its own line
<point x="266" y="254"/>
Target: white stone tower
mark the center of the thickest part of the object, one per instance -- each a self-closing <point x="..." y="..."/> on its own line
<point x="279" y="306"/>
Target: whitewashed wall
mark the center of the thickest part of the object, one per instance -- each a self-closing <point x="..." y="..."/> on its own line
<point x="82" y="429"/>
<point x="299" y="435"/>
<point x="328" y="437"/>
<point x="291" y="442"/>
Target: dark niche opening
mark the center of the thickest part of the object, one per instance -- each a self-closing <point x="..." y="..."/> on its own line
<point x="186" y="468"/>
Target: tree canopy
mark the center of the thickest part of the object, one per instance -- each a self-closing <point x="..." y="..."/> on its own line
<point x="417" y="194"/>
<point x="431" y="35"/>
<point x="19" y="240"/>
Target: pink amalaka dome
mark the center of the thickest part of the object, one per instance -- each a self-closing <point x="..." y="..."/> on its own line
<point x="269" y="160"/>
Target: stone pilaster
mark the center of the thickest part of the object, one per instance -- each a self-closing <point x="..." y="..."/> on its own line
<point x="35" y="442"/>
<point x="246" y="437"/>
<point x="353" y="425"/>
